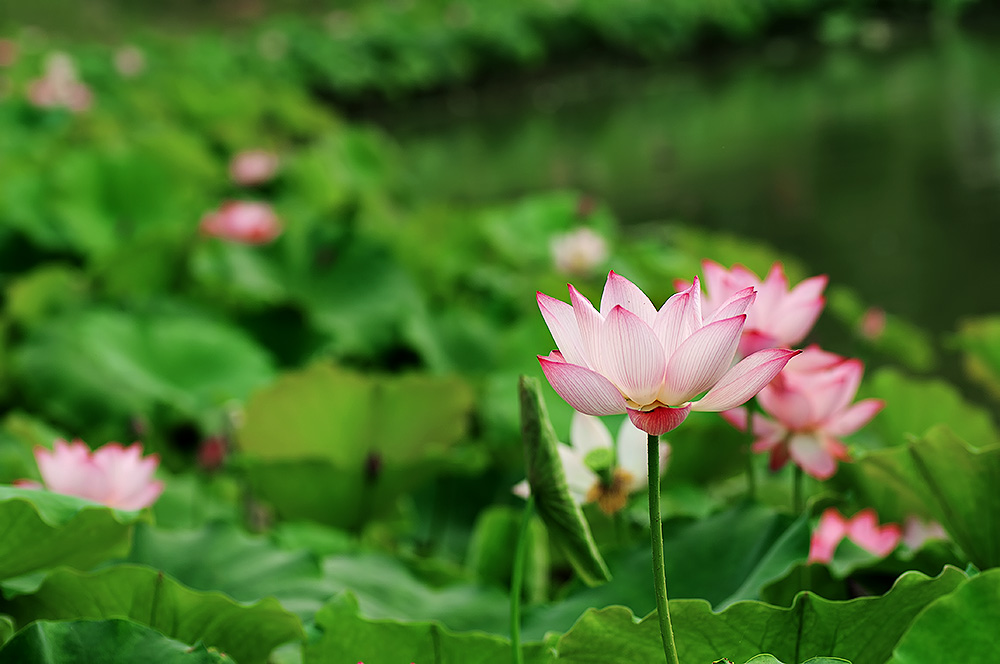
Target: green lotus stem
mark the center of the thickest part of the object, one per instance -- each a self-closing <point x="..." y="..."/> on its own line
<point x="797" y="501"/>
<point x="656" y="543"/>
<point x="517" y="581"/>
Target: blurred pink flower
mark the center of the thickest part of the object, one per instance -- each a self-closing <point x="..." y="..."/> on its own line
<point x="8" y="52"/>
<point x="578" y="252"/>
<point x="872" y="323"/>
<point x="862" y="529"/>
<point x="59" y="86"/>
<point x="113" y="475"/>
<point x="252" y="167"/>
<point x="810" y="402"/>
<point x="130" y="61"/>
<point x="778" y="317"/>
<point x="629" y="475"/>
<point x="917" y="532"/>
<point x="248" y="222"/>
<point x="630" y="358"/>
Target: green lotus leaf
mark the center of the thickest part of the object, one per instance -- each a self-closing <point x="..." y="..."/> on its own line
<point x="865" y="629"/>
<point x="44" y="529"/>
<point x="248" y="633"/>
<point x="115" y="641"/>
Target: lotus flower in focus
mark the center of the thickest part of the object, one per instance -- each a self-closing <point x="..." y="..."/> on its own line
<point x="654" y="365"/>
<point x="247" y="222"/>
<point x="590" y="445"/>
<point x="252" y="167"/>
<point x="113" y="475"/>
<point x="578" y="252"/>
<point x="779" y="317"/>
<point x="810" y="402"/>
<point x="862" y="529"/>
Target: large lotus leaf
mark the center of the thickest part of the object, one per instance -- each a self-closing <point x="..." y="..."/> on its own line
<point x="385" y="589"/>
<point x="863" y="630"/>
<point x="221" y="557"/>
<point x="493" y="545"/>
<point x="43" y="529"/>
<point x="348" y="639"/>
<point x="979" y="339"/>
<point x="246" y="632"/>
<point x="562" y="517"/>
<point x="104" y="641"/>
<point x="111" y="363"/>
<point x="344" y="416"/>
<point x="942" y="477"/>
<point x="960" y="627"/>
<point x="914" y="405"/>
<point x="340" y="447"/>
<point x="749" y="546"/>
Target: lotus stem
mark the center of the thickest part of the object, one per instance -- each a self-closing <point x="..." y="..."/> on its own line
<point x="517" y="581"/>
<point x="656" y="543"/>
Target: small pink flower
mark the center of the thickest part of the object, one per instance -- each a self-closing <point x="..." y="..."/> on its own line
<point x="917" y="532"/>
<point x="578" y="252"/>
<point x="872" y="323"/>
<point x="113" y="475"/>
<point x="59" y="86"/>
<point x="810" y="402"/>
<point x="8" y="52"/>
<point x="657" y="366"/>
<point x="778" y="317"/>
<point x="862" y="529"/>
<point x="252" y="167"/>
<point x="248" y="222"/>
<point x="130" y="61"/>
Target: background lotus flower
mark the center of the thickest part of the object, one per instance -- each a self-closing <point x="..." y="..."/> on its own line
<point x="862" y="529"/>
<point x="630" y="358"/>
<point x="917" y="532"/>
<point x="59" y="86"/>
<point x="778" y="317"/>
<point x="252" y="167"/>
<point x="588" y="435"/>
<point x="129" y="61"/>
<point x="810" y="402"/>
<point x="113" y="475"/>
<point x="8" y="52"/>
<point x="578" y="252"/>
<point x="248" y="222"/>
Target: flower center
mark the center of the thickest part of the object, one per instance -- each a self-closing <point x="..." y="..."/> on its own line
<point x="611" y="497"/>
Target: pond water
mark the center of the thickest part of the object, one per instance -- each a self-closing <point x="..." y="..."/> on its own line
<point x="879" y="166"/>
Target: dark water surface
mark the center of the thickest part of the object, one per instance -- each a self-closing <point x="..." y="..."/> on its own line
<point x="879" y="166"/>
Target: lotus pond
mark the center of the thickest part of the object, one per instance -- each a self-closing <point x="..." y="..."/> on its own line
<point x="290" y="374"/>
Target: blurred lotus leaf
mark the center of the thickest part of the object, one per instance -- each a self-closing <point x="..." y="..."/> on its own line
<point x="340" y="447"/>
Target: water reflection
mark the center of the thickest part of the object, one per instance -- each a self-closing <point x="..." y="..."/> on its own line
<point x="880" y="168"/>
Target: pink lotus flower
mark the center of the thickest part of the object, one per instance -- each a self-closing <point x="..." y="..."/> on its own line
<point x="872" y="323"/>
<point x="862" y="529"/>
<point x="578" y="252"/>
<point x="129" y="61"/>
<point x="8" y="52"/>
<point x="59" y="86"/>
<point x="252" y="167"/>
<point x="248" y="222"/>
<point x="779" y="316"/>
<point x="630" y="474"/>
<point x="917" y="532"/>
<point x="630" y="358"/>
<point x="810" y="402"/>
<point x="113" y="475"/>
